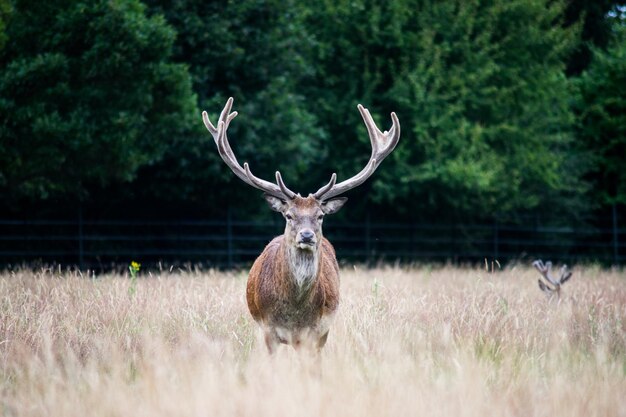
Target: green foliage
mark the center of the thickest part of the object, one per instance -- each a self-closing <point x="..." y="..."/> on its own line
<point x="602" y="109"/>
<point x="257" y="52"/>
<point x="133" y="269"/>
<point x="5" y="11"/>
<point x="480" y="91"/>
<point x="98" y="94"/>
<point x="596" y="29"/>
<point x="88" y="95"/>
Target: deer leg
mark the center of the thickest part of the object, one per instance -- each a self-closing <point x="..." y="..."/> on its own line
<point x="271" y="341"/>
<point x="322" y="341"/>
<point x="317" y="356"/>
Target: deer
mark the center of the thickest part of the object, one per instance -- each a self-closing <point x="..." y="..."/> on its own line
<point x="544" y="270"/>
<point x="292" y="290"/>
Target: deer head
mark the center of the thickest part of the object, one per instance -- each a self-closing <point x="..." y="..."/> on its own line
<point x="304" y="215"/>
<point x="544" y="270"/>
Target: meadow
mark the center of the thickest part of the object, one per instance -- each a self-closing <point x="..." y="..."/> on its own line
<point x="433" y="341"/>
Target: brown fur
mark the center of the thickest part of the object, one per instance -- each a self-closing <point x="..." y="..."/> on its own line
<point x="288" y="313"/>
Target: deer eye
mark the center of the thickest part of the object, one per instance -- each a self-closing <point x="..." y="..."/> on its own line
<point x="288" y="216"/>
<point x="320" y="217"/>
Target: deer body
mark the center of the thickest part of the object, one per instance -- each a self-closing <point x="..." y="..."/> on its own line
<point x="293" y="286"/>
<point x="294" y="296"/>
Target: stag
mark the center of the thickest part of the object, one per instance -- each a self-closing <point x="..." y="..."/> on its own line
<point x="544" y="270"/>
<point x="293" y="286"/>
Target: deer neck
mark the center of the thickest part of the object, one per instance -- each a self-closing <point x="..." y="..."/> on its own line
<point x="303" y="266"/>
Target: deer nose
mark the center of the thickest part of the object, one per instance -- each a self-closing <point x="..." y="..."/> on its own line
<point x="306" y="235"/>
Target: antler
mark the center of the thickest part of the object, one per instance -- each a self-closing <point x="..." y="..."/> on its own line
<point x="545" y="270"/>
<point x="382" y="145"/>
<point x="279" y="189"/>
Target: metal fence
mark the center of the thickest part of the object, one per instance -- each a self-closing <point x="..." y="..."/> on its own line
<point x="228" y="242"/>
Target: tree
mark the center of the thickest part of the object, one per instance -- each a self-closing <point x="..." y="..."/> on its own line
<point x="602" y="116"/>
<point x="5" y="10"/>
<point x="257" y="52"/>
<point x="596" y="29"/>
<point x="481" y="93"/>
<point x="89" y="94"/>
<point x="101" y="94"/>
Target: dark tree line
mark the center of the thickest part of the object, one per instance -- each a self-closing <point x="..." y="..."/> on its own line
<point x="509" y="108"/>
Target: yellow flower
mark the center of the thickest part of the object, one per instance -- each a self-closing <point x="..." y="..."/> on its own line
<point x="135" y="265"/>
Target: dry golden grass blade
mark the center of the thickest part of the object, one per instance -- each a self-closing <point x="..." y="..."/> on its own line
<point x="420" y="341"/>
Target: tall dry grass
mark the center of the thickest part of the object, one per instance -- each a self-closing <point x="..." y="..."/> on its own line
<point x="421" y="341"/>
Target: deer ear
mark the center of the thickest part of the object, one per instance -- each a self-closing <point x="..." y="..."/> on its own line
<point x="333" y="206"/>
<point x="276" y="203"/>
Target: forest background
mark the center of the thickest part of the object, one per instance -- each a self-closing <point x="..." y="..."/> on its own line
<point x="510" y="109"/>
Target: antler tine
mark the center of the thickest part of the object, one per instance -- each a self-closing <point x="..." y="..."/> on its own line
<point x="348" y="184"/>
<point x="228" y="156"/>
<point x="544" y="287"/>
<point x="283" y="187"/>
<point x="209" y="126"/>
<point x="268" y="187"/>
<point x="566" y="277"/>
<point x="544" y="269"/>
<point x="382" y="145"/>
<point x="377" y="137"/>
<point x="565" y="274"/>
<point x="371" y="127"/>
<point x="227" y="108"/>
<point x="226" y="116"/>
<point x="324" y="189"/>
<point x="548" y="274"/>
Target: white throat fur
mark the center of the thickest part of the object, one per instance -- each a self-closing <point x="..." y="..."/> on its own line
<point x="304" y="265"/>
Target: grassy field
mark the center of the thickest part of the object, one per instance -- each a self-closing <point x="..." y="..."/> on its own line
<point x="422" y="341"/>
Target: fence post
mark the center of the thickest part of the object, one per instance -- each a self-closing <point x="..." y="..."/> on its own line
<point x="368" y="243"/>
<point x="452" y="253"/>
<point x="615" y="237"/>
<point x="411" y="239"/>
<point x="80" y="237"/>
<point x="229" y="236"/>
<point x="495" y="240"/>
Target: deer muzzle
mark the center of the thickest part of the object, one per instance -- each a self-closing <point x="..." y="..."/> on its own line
<point x="306" y="239"/>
